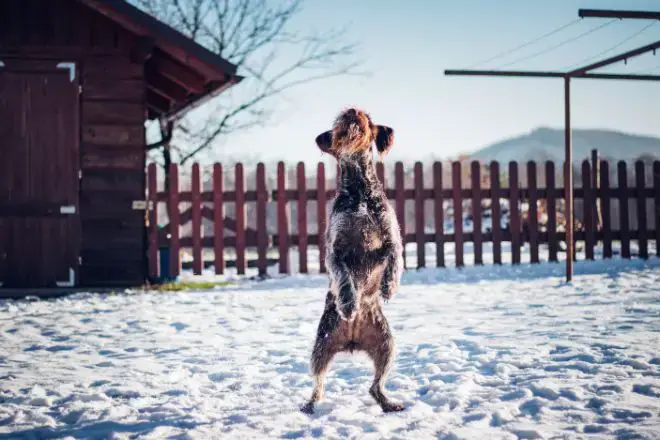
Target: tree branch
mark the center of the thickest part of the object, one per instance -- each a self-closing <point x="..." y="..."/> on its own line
<point x="258" y="36"/>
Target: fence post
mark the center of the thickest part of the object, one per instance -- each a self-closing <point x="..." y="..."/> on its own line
<point x="588" y="203"/>
<point x="239" y="191"/>
<point x="514" y="212"/>
<point x="456" y="188"/>
<point x="495" y="211"/>
<point x="642" y="239"/>
<point x="605" y="196"/>
<point x="623" y="208"/>
<point x="533" y="213"/>
<point x="420" y="218"/>
<point x="262" y="231"/>
<point x="196" y="220"/>
<point x="656" y="191"/>
<point x="302" y="218"/>
<point x="282" y="219"/>
<point x="218" y="220"/>
<point x="439" y="215"/>
<point x="174" y="254"/>
<point x="321" y="214"/>
<point x="475" y="187"/>
<point x="551" y="205"/>
<point x="152" y="205"/>
<point x="400" y="205"/>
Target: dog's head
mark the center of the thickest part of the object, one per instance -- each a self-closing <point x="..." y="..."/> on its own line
<point x="353" y="132"/>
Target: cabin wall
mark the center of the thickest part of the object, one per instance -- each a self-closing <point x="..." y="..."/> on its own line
<point x="112" y="115"/>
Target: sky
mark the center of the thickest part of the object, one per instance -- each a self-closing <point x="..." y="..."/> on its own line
<point x="407" y="46"/>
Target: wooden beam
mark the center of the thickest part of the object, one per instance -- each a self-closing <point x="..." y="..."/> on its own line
<point x="610" y="13"/>
<point x="165" y="87"/>
<point x="177" y="73"/>
<point x="213" y="90"/>
<point x="158" y="102"/>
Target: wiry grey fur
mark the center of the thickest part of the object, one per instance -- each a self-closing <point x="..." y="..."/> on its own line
<point x="364" y="256"/>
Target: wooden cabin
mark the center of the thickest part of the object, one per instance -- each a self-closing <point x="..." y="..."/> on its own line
<point x="78" y="80"/>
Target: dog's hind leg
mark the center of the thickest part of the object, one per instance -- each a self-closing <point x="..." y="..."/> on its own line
<point x="328" y="343"/>
<point x="378" y="342"/>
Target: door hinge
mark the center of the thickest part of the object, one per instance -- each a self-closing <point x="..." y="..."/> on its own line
<point x="71" y="67"/>
<point x="70" y="282"/>
<point x="79" y="174"/>
<point x="80" y="90"/>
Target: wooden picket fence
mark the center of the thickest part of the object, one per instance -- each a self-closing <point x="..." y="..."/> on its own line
<point x="210" y="204"/>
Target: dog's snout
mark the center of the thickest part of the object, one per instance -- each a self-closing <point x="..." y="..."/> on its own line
<point x="351" y="112"/>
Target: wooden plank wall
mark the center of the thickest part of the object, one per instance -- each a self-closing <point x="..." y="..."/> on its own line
<point x="113" y="111"/>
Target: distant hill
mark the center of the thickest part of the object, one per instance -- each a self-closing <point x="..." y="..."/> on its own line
<point x="545" y="143"/>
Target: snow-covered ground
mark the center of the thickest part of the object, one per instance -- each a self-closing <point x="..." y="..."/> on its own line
<point x="483" y="353"/>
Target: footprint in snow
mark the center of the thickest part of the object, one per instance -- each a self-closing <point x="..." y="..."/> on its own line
<point x="178" y="326"/>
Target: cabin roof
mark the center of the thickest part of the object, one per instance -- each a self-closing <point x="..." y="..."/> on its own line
<point x="180" y="73"/>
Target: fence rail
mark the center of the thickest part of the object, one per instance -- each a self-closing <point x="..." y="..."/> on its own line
<point x="486" y="198"/>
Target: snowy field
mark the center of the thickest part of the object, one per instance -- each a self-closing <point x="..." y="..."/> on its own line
<point x="483" y="353"/>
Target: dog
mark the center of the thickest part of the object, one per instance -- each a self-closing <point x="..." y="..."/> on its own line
<point x="364" y="256"/>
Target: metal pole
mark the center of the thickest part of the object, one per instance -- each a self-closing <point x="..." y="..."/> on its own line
<point x="609" y="13"/>
<point x="568" y="179"/>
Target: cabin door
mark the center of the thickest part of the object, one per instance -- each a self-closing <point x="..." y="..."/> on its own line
<point x="39" y="173"/>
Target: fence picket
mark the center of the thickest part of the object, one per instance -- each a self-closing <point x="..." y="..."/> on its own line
<point x="588" y="204"/>
<point x="642" y="239"/>
<point x="623" y="209"/>
<point x="175" y="255"/>
<point x="262" y="231"/>
<point x="656" y="191"/>
<point x="533" y="213"/>
<point x="400" y="202"/>
<point x="302" y="218"/>
<point x="282" y="219"/>
<point x="606" y="213"/>
<point x="551" y="209"/>
<point x="439" y="215"/>
<point x="321" y="214"/>
<point x="476" y="212"/>
<point x="458" y="212"/>
<point x="218" y="220"/>
<point x="240" y="219"/>
<point x="152" y="181"/>
<point x="196" y="220"/>
<point x="514" y="212"/>
<point x="420" y="218"/>
<point x="495" y="211"/>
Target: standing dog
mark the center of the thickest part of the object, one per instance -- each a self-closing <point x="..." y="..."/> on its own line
<point x="364" y="256"/>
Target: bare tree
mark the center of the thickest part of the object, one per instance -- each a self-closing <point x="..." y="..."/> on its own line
<point x="258" y="37"/>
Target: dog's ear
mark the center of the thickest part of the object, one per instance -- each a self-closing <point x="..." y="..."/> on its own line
<point x="324" y="141"/>
<point x="384" y="139"/>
